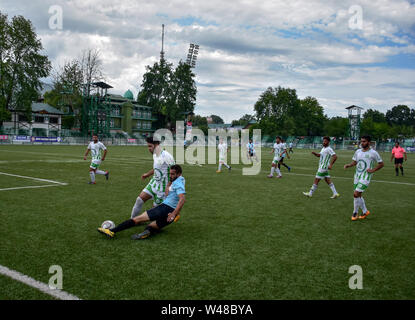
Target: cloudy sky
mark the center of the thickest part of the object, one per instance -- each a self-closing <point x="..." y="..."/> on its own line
<point x="341" y="52"/>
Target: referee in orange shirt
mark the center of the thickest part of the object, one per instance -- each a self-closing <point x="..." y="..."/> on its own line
<point x="398" y="153"/>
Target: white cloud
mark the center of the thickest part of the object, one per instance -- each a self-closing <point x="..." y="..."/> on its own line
<point x="246" y="46"/>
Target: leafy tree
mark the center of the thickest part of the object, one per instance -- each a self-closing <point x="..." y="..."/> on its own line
<point x="336" y="127"/>
<point x="156" y="90"/>
<point x="311" y="118"/>
<point x="201" y="123"/>
<point x="243" y="121"/>
<point x="374" y="115"/>
<point x="400" y="115"/>
<point x="216" y="119"/>
<point x="276" y="110"/>
<point x="21" y="65"/>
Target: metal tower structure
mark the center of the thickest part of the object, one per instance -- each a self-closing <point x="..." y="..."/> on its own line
<point x="96" y="111"/>
<point x="162" y="43"/>
<point x="354" y="121"/>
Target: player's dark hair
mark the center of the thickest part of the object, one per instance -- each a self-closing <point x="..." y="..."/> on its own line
<point x="278" y="137"/>
<point x="95" y="135"/>
<point x="152" y="141"/>
<point x="397" y="142"/>
<point x="326" y="138"/>
<point x="176" y="168"/>
<point x="367" y="138"/>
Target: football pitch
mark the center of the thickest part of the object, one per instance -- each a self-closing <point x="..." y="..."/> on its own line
<point x="239" y="237"/>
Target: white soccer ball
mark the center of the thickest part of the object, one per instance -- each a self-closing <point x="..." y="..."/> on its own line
<point x="107" y="224"/>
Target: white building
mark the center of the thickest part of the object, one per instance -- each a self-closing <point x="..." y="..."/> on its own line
<point x="46" y="122"/>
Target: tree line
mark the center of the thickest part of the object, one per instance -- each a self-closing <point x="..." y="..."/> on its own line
<point x="279" y="111"/>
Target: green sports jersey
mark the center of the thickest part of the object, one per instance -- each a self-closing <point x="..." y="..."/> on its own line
<point x="326" y="154"/>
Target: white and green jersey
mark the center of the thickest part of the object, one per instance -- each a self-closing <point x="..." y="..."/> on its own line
<point x="326" y="154"/>
<point x="365" y="160"/>
<point x="157" y="185"/>
<point x="223" y="150"/>
<point x="279" y="149"/>
<point x="96" y="149"/>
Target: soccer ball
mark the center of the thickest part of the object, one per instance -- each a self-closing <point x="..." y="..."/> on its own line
<point x="107" y="224"/>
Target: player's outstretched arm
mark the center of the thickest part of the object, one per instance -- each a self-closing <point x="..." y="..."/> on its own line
<point x="352" y="164"/>
<point x="105" y="154"/>
<point x="392" y="156"/>
<point x="316" y="154"/>
<point x="176" y="212"/>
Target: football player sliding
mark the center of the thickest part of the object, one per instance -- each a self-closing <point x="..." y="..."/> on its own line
<point x="160" y="216"/>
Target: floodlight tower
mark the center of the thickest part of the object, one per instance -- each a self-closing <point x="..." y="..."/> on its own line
<point x="192" y="55"/>
<point x="162" y="43"/>
<point x="354" y="121"/>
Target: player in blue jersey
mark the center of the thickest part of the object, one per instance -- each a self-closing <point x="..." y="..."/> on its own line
<point x="160" y="216"/>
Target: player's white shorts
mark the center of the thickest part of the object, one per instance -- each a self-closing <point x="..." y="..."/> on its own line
<point x="360" y="185"/>
<point x="322" y="174"/>
<point x="276" y="159"/>
<point x="156" y="191"/>
<point x="222" y="159"/>
<point x="95" y="164"/>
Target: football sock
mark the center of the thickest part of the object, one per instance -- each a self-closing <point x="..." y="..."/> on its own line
<point x="331" y="185"/>
<point x="397" y="171"/>
<point x="220" y="167"/>
<point x="100" y="172"/>
<point x="278" y="171"/>
<point x="124" y="225"/>
<point x="402" y="170"/>
<point x="313" y="188"/>
<point x="137" y="207"/>
<point x="272" y="171"/>
<point x="356" y="204"/>
<point x="363" y="205"/>
<point x="226" y="165"/>
<point x="285" y="165"/>
<point x="92" y="174"/>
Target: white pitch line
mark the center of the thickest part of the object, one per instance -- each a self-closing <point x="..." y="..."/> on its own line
<point x="38" y="179"/>
<point x="57" y="293"/>
<point x="30" y="187"/>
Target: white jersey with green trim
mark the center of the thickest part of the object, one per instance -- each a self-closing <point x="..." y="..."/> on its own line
<point x="325" y="156"/>
<point x="365" y="160"/>
<point x="161" y="166"/>
<point x="96" y="149"/>
<point x="279" y="149"/>
<point x="223" y="149"/>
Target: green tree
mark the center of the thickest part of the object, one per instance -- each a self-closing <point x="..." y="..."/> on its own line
<point x="201" y="123"/>
<point x="336" y="127"/>
<point x="156" y="90"/>
<point x="374" y="115"/>
<point x="216" y="119"/>
<point x="183" y="93"/>
<point x="400" y="115"/>
<point x="276" y="110"/>
<point x="244" y="120"/>
<point x="21" y="65"/>
<point x="311" y="118"/>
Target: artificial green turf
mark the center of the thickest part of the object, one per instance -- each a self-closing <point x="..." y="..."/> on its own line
<point x="240" y="237"/>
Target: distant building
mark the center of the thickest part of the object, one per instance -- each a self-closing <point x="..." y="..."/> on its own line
<point x="46" y="121"/>
<point x="129" y="116"/>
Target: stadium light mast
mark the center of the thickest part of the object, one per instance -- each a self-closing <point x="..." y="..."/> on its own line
<point x="354" y="121"/>
<point x="192" y="55"/>
<point x="162" y="43"/>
